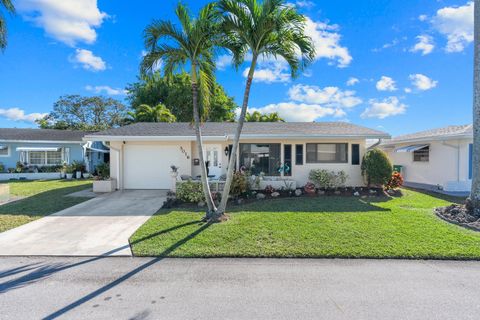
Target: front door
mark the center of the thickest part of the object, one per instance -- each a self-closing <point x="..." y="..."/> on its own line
<point x="213" y="157"/>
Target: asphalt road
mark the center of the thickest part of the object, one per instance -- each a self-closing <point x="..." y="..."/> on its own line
<point x="134" y="288"/>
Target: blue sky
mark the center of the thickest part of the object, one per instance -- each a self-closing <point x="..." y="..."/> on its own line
<point x="409" y="66"/>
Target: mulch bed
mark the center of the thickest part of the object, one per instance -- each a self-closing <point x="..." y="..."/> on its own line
<point x="458" y="214"/>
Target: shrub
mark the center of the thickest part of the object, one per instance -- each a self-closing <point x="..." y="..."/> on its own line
<point x="376" y="167"/>
<point x="2" y="167"/>
<point x="239" y="184"/>
<point x="103" y="171"/>
<point x="328" y="179"/>
<point x="20" y="167"/>
<point x="309" y="188"/>
<point x="78" y="166"/>
<point x="395" y="182"/>
<point x="269" y="189"/>
<point x="190" y="191"/>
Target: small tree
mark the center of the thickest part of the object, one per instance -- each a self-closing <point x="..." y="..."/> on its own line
<point x="376" y="167"/>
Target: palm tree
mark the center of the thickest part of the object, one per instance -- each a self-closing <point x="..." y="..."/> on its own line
<point x="8" y="6"/>
<point x="159" y="113"/>
<point x="268" y="28"/>
<point x="475" y="193"/>
<point x="190" y="45"/>
<point x="256" y="116"/>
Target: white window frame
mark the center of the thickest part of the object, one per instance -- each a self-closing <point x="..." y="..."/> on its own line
<point x="62" y="153"/>
<point x="8" y="153"/>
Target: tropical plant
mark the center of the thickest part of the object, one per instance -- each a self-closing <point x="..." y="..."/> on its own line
<point x="268" y="29"/>
<point x="190" y="191"/>
<point x="256" y="116"/>
<point x="2" y="167"/>
<point x="239" y="184"/>
<point x="474" y="199"/>
<point x="395" y="182"/>
<point x="175" y="92"/>
<point x="7" y="6"/>
<point x="146" y="113"/>
<point x="191" y="45"/>
<point x="103" y="171"/>
<point x="376" y="167"/>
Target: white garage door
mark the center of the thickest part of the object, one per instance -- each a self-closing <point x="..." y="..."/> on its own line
<point x="148" y="166"/>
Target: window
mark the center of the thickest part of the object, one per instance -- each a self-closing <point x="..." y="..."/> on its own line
<point x="4" y="151"/>
<point x="42" y="158"/>
<point x="355" y="154"/>
<point x="260" y="158"/>
<point x="327" y="153"/>
<point x="421" y="155"/>
<point x="287" y="159"/>
<point x="299" y="154"/>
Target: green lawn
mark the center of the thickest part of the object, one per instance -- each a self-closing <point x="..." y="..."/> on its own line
<point x="403" y="227"/>
<point x="41" y="198"/>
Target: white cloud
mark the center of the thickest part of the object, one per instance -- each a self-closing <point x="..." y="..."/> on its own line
<point x="300" y="112"/>
<point x="422" y="82"/>
<point x="387" y="45"/>
<point x="386" y="84"/>
<point x="88" y="60"/>
<point x="407" y="90"/>
<point x="224" y="61"/>
<point x="424" y="45"/>
<point x="382" y="109"/>
<point x="68" y="21"/>
<point x="422" y="17"/>
<point x="106" y="89"/>
<point x="270" y="70"/>
<point x="17" y="114"/>
<point x="352" y="81"/>
<point x="327" y="42"/>
<point x="456" y="23"/>
<point x="305" y="4"/>
<point x="328" y="96"/>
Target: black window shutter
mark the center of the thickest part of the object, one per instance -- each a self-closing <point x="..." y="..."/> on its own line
<point x="355" y="154"/>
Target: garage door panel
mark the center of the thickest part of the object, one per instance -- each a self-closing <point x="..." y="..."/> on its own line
<point x="148" y="166"/>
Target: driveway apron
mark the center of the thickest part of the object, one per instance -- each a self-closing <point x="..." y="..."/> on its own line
<point x="97" y="227"/>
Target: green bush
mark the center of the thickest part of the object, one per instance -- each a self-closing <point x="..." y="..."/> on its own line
<point x="328" y="179"/>
<point x="376" y="167"/>
<point x="2" y="167"/>
<point x="239" y="184"/>
<point x="103" y="171"/>
<point x="190" y="191"/>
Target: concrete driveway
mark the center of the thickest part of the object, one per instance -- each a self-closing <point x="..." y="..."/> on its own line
<point x="100" y="226"/>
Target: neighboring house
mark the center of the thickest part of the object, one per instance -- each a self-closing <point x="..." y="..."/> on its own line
<point x="38" y="148"/>
<point x="142" y="153"/>
<point x="438" y="158"/>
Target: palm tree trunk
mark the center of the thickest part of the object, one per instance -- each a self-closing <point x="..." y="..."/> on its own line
<point x="475" y="193"/>
<point x="233" y="156"/>
<point x="198" y="133"/>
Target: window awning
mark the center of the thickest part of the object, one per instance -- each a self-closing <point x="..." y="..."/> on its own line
<point x="37" y="149"/>
<point x="99" y="150"/>
<point x="411" y="148"/>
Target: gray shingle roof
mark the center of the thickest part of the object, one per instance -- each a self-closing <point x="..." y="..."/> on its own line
<point x="445" y="132"/>
<point x="17" y="134"/>
<point x="221" y="129"/>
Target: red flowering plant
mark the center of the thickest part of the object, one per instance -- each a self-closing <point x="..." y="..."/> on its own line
<point x="309" y="188"/>
<point x="395" y="182"/>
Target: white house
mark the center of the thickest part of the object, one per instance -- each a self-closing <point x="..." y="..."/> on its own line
<point x="142" y="153"/>
<point x="438" y="158"/>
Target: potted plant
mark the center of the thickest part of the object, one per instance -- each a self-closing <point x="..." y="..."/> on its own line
<point x="103" y="183"/>
<point x="69" y="169"/>
<point x="309" y="188"/>
<point x="79" y="167"/>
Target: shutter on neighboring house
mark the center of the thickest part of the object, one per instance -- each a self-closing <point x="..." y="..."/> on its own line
<point x="355" y="154"/>
<point x="23" y="157"/>
<point x="66" y="155"/>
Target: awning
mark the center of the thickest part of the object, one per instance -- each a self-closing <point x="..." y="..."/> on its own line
<point x="99" y="150"/>
<point x="411" y="148"/>
<point x="37" y="149"/>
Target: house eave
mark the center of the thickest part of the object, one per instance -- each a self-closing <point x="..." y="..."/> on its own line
<point x="230" y="137"/>
<point x="41" y="141"/>
<point x="427" y="139"/>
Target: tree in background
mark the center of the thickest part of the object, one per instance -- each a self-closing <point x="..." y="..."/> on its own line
<point x="74" y="112"/>
<point x="256" y="116"/>
<point x="146" y="113"/>
<point x="190" y="45"/>
<point x="269" y="28"/>
<point x="8" y="6"/>
<point x="175" y="92"/>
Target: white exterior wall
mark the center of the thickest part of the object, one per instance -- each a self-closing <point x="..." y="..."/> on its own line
<point x="448" y="164"/>
<point x="300" y="172"/>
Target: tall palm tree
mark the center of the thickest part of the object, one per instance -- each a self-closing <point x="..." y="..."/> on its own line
<point x="190" y="45"/>
<point x="8" y="6"/>
<point x="475" y="193"/>
<point x="159" y="113"/>
<point x="268" y="28"/>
